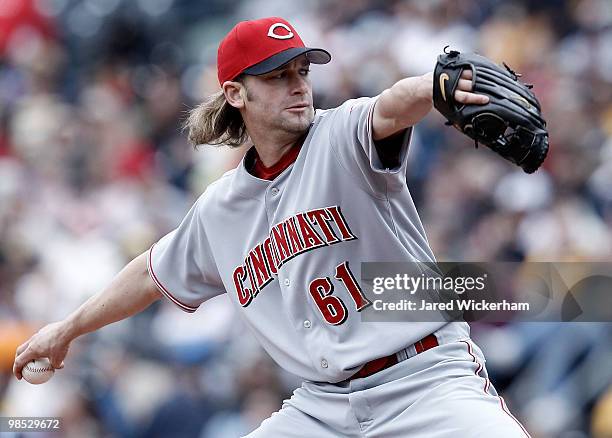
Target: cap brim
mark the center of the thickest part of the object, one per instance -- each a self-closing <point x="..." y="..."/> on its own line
<point x="315" y="56"/>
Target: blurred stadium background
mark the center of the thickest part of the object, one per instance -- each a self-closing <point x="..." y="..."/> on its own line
<point x="94" y="168"/>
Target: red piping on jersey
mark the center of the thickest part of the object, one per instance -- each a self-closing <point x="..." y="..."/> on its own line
<point x="486" y="388"/>
<point x="187" y="308"/>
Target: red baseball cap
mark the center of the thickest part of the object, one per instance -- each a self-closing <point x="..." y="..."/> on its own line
<point x="260" y="46"/>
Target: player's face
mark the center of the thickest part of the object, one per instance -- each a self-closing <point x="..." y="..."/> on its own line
<point x="281" y="99"/>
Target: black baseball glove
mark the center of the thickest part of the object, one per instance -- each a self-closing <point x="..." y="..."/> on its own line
<point x="511" y="124"/>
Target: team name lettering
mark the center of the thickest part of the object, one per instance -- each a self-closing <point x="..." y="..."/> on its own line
<point x="294" y="236"/>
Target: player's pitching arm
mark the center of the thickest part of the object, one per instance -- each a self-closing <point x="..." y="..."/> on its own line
<point x="129" y="293"/>
<point x="410" y="99"/>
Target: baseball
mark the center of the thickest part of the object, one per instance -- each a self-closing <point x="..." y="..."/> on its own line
<point x="38" y="371"/>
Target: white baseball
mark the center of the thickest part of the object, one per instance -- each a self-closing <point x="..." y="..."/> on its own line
<point x="38" y="371"/>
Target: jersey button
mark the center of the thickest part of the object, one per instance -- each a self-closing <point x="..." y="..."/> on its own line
<point x="274" y="191"/>
<point x="307" y="324"/>
<point x="324" y="363"/>
<point x="287" y="282"/>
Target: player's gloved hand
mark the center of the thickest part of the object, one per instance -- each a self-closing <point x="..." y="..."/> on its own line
<point x="52" y="341"/>
<point x="510" y="123"/>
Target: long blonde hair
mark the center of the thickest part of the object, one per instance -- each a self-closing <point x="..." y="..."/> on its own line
<point x="216" y="122"/>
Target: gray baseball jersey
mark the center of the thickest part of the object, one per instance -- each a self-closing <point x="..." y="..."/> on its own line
<point x="288" y="251"/>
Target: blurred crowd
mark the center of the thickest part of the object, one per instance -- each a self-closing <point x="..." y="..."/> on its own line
<point x="94" y="168"/>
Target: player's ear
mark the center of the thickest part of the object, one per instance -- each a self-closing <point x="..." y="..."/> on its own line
<point x="234" y="93"/>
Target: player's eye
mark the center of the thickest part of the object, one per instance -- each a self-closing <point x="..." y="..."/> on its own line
<point x="304" y="71"/>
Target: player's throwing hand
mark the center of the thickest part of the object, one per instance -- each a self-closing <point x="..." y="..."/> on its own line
<point x="51" y="341"/>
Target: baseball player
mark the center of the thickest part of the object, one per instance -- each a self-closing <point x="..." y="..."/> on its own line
<point x="284" y="235"/>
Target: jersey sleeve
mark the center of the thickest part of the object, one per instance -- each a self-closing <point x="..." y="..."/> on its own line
<point x="351" y="139"/>
<point x="182" y="265"/>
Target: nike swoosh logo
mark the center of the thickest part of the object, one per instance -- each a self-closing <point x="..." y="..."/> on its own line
<point x="443" y="78"/>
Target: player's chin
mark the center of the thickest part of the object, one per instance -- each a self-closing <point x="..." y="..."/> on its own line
<point x="299" y="120"/>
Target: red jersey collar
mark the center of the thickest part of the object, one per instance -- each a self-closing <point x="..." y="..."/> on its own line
<point x="269" y="173"/>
